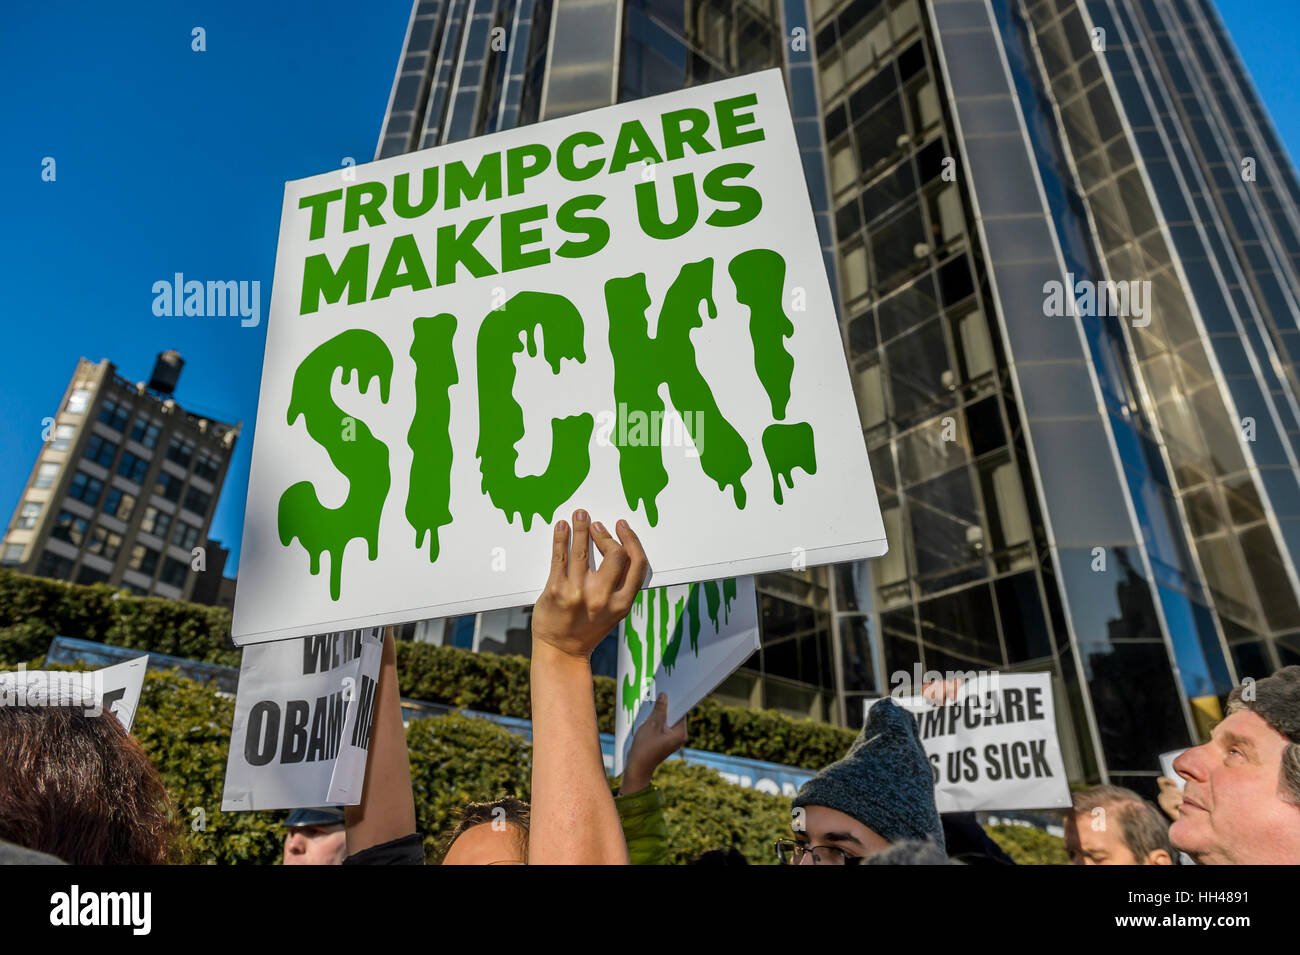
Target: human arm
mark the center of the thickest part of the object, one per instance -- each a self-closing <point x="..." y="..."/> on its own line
<point x="574" y="819"/>
<point x="640" y="804"/>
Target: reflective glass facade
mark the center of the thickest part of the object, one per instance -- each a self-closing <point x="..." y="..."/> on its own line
<point x="1112" y="498"/>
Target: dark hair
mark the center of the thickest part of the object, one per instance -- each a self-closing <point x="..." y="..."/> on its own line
<point x="1143" y="828"/>
<point x="512" y="810"/>
<point x="1276" y="700"/>
<point x="80" y="788"/>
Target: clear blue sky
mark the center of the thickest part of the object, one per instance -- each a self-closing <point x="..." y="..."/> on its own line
<point x="169" y="160"/>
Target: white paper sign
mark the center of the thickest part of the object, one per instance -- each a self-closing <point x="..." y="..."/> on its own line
<point x="302" y="722"/>
<point x="682" y="641"/>
<point x="625" y="311"/>
<point x="114" y="689"/>
<point x="995" y="745"/>
<point x="122" y="684"/>
<point x="1167" y="766"/>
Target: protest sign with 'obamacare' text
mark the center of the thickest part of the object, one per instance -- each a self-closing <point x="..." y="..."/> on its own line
<point x="303" y="714"/>
<point x="683" y="641"/>
<point x="992" y="743"/>
<point x="625" y="311"/>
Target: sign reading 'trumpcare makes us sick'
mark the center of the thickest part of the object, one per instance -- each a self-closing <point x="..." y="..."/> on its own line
<point x="991" y="740"/>
<point x="625" y="311"/>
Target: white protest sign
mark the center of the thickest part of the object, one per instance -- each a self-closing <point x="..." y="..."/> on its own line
<point x="625" y="310"/>
<point x="302" y="722"/>
<point x="995" y="745"/>
<point x="114" y="689"/>
<point x="1167" y="766"/>
<point x="682" y="641"/>
<point x="121" y="686"/>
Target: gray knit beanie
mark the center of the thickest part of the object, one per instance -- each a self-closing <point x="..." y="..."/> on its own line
<point x="884" y="781"/>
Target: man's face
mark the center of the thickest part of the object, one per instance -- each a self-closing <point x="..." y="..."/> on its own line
<point x="484" y="845"/>
<point x="830" y="827"/>
<point x="316" y="845"/>
<point x="1233" y="812"/>
<point x="1097" y="839"/>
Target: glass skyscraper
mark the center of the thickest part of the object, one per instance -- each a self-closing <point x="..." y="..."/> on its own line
<point x="1063" y="239"/>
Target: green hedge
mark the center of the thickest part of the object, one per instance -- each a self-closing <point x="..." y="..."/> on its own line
<point x="704" y="811"/>
<point x="1029" y="845"/>
<point x="499" y="684"/>
<point x="455" y="759"/>
<point x="33" y="610"/>
<point x="185" y="728"/>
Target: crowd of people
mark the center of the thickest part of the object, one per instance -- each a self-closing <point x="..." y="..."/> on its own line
<point x="79" y="789"/>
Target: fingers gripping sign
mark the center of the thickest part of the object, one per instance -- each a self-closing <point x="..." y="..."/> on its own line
<point x="624" y="563"/>
<point x="579" y="605"/>
<point x="654" y="742"/>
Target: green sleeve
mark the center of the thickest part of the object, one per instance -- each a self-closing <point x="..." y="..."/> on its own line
<point x="642" y="815"/>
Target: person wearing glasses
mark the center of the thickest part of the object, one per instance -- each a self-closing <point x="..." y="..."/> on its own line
<point x="879" y="795"/>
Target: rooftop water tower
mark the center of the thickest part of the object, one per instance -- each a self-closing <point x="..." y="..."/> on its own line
<point x="166" y="372"/>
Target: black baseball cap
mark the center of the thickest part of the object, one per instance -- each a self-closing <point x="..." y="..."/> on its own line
<point x="324" y="816"/>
